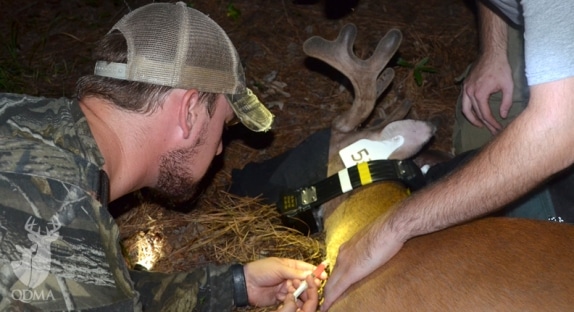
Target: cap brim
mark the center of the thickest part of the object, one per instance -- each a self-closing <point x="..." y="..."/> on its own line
<point x="252" y="113"/>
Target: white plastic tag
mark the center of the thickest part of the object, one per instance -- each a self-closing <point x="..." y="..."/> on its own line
<point x="366" y="150"/>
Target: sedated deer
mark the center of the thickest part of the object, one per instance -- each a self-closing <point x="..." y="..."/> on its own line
<point x="493" y="264"/>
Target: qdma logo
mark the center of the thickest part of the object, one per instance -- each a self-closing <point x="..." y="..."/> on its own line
<point x="34" y="266"/>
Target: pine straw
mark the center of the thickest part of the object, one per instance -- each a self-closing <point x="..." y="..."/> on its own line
<point x="226" y="229"/>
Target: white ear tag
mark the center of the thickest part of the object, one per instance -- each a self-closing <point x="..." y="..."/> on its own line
<point x="366" y="150"/>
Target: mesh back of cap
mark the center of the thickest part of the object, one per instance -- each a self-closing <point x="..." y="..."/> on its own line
<point x="177" y="46"/>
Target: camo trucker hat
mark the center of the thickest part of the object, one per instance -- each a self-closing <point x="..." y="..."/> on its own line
<point x="177" y="46"/>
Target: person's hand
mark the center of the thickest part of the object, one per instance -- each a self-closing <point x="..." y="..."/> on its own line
<point x="489" y="75"/>
<point x="269" y="280"/>
<point x="307" y="302"/>
<point x="358" y="257"/>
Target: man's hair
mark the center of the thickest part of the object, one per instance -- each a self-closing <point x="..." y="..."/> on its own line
<point x="129" y="95"/>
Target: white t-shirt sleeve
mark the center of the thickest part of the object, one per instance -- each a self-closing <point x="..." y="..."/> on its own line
<point x="549" y="40"/>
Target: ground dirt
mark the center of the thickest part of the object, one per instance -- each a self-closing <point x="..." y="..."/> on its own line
<point x="46" y="46"/>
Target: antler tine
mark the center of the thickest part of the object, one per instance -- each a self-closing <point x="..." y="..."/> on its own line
<point x="386" y="48"/>
<point x="56" y="225"/>
<point x="363" y="74"/>
<point x="337" y="53"/>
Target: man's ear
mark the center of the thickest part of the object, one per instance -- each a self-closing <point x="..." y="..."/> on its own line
<point x="188" y="111"/>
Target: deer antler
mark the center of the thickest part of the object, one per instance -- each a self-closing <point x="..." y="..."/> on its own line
<point x="365" y="75"/>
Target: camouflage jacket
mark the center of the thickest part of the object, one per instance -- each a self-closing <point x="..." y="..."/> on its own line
<point x="59" y="246"/>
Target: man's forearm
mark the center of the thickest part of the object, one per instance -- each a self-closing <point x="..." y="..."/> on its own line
<point x="537" y="144"/>
<point x="493" y="31"/>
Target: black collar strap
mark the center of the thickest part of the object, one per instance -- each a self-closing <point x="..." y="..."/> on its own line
<point x="297" y="203"/>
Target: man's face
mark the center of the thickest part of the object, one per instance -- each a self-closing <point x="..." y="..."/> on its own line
<point x="182" y="169"/>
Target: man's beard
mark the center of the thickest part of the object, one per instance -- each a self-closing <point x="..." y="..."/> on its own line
<point x="176" y="180"/>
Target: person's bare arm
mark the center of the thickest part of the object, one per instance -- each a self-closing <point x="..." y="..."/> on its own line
<point x="492" y="31"/>
<point x="537" y="144"/>
<point x="490" y="73"/>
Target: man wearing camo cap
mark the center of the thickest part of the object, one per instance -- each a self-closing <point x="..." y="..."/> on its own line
<point x="166" y="82"/>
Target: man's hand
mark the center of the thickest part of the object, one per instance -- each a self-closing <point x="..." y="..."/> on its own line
<point x="361" y="255"/>
<point x="308" y="300"/>
<point x="491" y="74"/>
<point x="269" y="280"/>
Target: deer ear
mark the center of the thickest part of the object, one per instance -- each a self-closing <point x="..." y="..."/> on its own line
<point x="188" y="112"/>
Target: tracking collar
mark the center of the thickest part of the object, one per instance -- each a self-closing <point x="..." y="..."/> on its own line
<point x="298" y="208"/>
